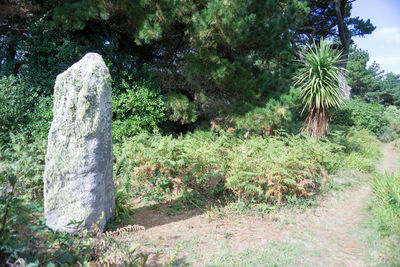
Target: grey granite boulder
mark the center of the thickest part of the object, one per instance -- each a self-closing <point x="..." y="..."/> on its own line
<point x="78" y="177"/>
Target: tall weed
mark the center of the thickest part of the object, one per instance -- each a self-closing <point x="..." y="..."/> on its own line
<point x="386" y="203"/>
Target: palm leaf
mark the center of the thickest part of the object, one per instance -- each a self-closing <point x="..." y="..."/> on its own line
<point x="319" y="86"/>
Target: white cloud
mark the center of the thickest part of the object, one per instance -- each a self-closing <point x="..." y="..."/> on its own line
<point x="389" y="35"/>
<point x="388" y="63"/>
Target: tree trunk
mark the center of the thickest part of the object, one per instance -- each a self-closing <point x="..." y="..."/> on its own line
<point x="345" y="39"/>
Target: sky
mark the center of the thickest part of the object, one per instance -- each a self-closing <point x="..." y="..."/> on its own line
<point x="383" y="44"/>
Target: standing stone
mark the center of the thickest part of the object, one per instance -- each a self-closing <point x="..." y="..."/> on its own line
<point x="78" y="178"/>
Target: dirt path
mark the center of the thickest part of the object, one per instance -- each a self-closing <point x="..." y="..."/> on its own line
<point x="390" y="158"/>
<point x="332" y="234"/>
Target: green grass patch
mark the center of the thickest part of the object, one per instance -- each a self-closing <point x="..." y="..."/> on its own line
<point x="386" y="209"/>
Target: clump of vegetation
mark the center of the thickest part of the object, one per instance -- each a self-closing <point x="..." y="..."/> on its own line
<point x="175" y="66"/>
<point x="392" y="114"/>
<point x="362" y="114"/>
<point x="21" y="109"/>
<point x="386" y="208"/>
<point x="263" y="169"/>
<point x="275" y="115"/>
<point x="139" y="108"/>
<point x="361" y="148"/>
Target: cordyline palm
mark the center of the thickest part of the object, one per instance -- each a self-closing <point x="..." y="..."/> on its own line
<point x="319" y="87"/>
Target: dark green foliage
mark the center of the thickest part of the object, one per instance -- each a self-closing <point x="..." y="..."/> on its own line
<point x="389" y="91"/>
<point x="50" y="53"/>
<point x="358" y="112"/>
<point x="361" y="78"/>
<point x="140" y="108"/>
<point x="322" y="21"/>
<point x="17" y="103"/>
<point x="369" y="81"/>
<point x="277" y="114"/>
<point x="23" y="110"/>
<point x="13" y="104"/>
<point x="180" y="109"/>
<point x="241" y="48"/>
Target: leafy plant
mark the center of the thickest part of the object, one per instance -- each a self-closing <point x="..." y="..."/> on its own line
<point x="392" y="114"/>
<point x="363" y="114"/>
<point x="139" y="108"/>
<point x="180" y="109"/>
<point x="242" y="119"/>
<point x="17" y="103"/>
<point x="318" y="83"/>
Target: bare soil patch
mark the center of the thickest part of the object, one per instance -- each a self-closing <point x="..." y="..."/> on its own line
<point x="390" y="158"/>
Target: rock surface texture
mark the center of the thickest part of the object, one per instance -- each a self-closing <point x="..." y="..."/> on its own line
<point x="78" y="178"/>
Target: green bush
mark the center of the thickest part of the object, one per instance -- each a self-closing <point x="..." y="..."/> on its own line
<point x="276" y="114"/>
<point x="392" y="114"/>
<point x="26" y="155"/>
<point x="180" y="109"/>
<point x="22" y="110"/>
<point x="361" y="148"/>
<point x="17" y="103"/>
<point x="139" y="108"/>
<point x="281" y="167"/>
<point x="358" y="112"/>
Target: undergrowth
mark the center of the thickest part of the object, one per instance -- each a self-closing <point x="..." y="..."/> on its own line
<point x="269" y="169"/>
<point x="247" y="169"/>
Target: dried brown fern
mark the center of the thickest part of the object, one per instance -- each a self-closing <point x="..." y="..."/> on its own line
<point x="104" y="242"/>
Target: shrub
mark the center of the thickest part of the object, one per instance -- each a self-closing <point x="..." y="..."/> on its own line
<point x="140" y="108"/>
<point x="358" y="112"/>
<point x="27" y="156"/>
<point x="361" y="148"/>
<point x="22" y="110"/>
<point x="180" y="109"/>
<point x="275" y="115"/>
<point x="275" y="168"/>
<point x="392" y="114"/>
<point x="386" y="209"/>
<point x="16" y="106"/>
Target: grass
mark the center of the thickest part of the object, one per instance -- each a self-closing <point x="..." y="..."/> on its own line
<point x="271" y="254"/>
<point x="386" y="209"/>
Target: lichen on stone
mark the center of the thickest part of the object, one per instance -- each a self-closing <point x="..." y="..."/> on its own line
<point x="78" y="174"/>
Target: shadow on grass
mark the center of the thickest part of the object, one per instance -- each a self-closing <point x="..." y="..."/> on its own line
<point x="167" y="212"/>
